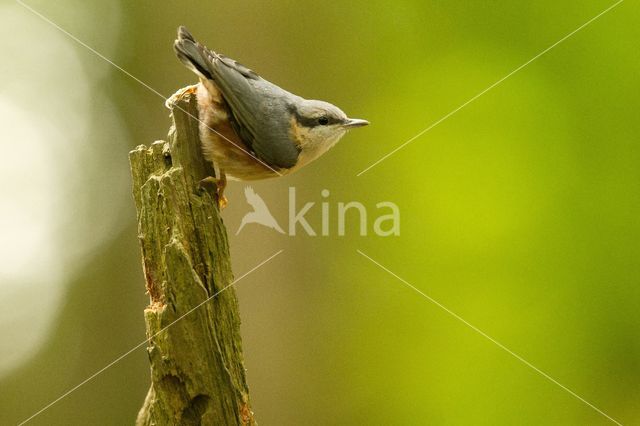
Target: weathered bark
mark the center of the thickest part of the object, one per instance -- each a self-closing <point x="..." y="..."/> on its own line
<point x="197" y="371"/>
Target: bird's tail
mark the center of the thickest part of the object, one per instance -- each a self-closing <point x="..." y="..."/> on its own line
<point x="193" y="55"/>
<point x="207" y="63"/>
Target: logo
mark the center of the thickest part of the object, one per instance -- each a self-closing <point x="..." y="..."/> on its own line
<point x="386" y="218"/>
<point x="260" y="214"/>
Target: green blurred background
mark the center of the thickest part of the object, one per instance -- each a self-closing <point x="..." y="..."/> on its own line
<point x="519" y="213"/>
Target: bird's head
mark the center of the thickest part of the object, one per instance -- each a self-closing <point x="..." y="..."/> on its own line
<point x="318" y="125"/>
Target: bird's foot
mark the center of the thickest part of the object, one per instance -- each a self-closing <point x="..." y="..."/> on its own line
<point x="179" y="94"/>
<point x="220" y="185"/>
<point x="222" y="202"/>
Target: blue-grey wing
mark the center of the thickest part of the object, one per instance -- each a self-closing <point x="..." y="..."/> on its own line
<point x="258" y="107"/>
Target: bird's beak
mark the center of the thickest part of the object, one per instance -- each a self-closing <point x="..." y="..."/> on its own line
<point x="355" y="122"/>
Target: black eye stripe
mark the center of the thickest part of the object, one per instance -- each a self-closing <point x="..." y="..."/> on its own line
<point x="313" y="121"/>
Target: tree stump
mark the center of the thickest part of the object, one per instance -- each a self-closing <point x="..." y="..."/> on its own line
<point x="197" y="370"/>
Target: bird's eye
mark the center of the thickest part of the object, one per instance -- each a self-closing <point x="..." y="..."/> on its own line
<point x="323" y="121"/>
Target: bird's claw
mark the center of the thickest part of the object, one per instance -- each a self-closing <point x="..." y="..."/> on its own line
<point x="220" y="185"/>
<point x="222" y="202"/>
<point x="208" y="180"/>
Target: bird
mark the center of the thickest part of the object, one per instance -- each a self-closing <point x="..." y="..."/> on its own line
<point x="260" y="213"/>
<point x="250" y="128"/>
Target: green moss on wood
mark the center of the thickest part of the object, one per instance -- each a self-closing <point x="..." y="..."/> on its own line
<point x="197" y="371"/>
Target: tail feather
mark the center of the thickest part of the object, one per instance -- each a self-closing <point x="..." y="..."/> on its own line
<point x="204" y="62"/>
<point x="195" y="56"/>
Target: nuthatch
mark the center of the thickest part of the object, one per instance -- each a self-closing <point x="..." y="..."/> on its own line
<point x="250" y="128"/>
